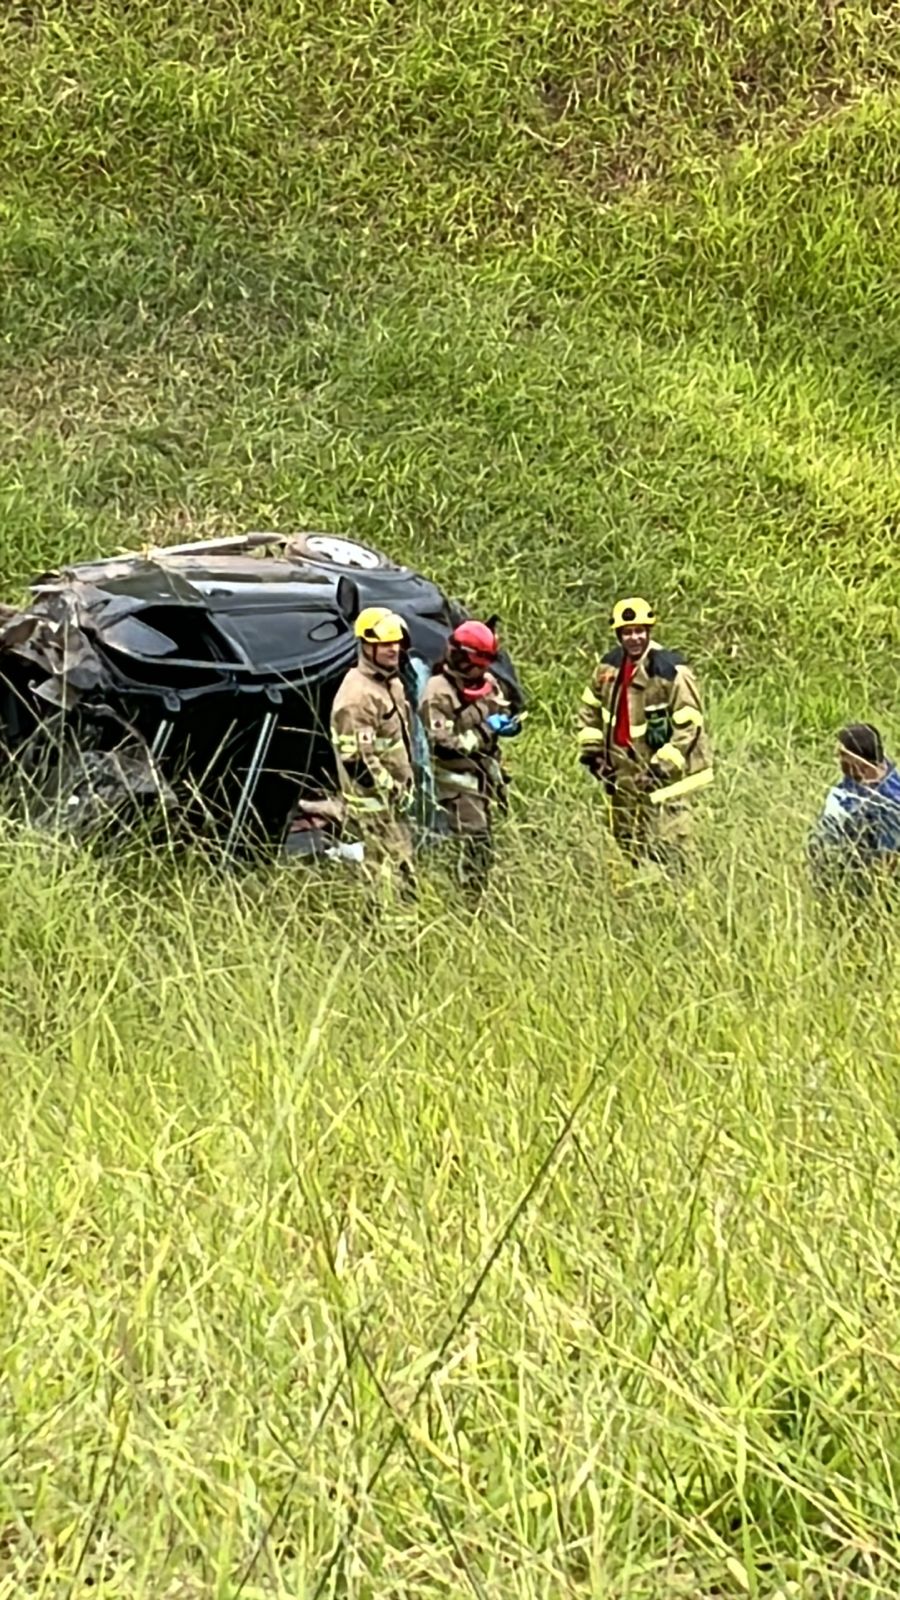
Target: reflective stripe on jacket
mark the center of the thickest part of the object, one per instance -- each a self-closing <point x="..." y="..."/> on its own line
<point x="463" y="749"/>
<point x="668" y="736"/>
<point x="371" y="735"/>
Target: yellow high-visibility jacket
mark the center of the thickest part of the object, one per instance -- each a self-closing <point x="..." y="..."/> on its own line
<point x="668" y="737"/>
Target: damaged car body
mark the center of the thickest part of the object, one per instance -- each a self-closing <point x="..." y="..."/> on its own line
<point x="193" y="683"/>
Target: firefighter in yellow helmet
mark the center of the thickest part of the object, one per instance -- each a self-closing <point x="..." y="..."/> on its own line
<point x="642" y="736"/>
<point x="372" y="739"/>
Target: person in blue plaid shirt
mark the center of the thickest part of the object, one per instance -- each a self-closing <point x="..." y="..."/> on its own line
<point x="855" y="841"/>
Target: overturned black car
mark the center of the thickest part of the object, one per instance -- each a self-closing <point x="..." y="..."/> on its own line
<point x="193" y="684"/>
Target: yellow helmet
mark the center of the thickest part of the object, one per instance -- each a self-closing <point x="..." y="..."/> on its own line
<point x="632" y="613"/>
<point x="379" y="625"/>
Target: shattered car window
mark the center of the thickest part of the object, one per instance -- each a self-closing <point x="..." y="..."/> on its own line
<point x="138" y="639"/>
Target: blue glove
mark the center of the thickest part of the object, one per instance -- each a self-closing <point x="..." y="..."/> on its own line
<point x="503" y="725"/>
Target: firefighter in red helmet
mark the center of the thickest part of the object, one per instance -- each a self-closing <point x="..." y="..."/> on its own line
<point x="466" y="714"/>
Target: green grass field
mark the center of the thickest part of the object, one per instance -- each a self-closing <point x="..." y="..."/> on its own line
<point x="552" y="1255"/>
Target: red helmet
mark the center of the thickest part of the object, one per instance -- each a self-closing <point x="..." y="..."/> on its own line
<point x="477" y="642"/>
<point x="472" y="649"/>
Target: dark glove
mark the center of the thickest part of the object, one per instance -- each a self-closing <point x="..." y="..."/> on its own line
<point x="595" y="763"/>
<point x="651" y="778"/>
<point x="502" y="725"/>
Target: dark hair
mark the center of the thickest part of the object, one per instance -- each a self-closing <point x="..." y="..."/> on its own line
<point x="862" y="740"/>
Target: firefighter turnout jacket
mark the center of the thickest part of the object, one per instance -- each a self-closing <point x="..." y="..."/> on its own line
<point x="464" y="751"/>
<point x="666" y="736"/>
<point x="372" y="738"/>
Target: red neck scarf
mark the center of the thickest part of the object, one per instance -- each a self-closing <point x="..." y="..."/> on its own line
<point x="622" y="729"/>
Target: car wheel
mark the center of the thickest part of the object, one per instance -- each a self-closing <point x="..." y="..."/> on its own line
<point x="336" y="551"/>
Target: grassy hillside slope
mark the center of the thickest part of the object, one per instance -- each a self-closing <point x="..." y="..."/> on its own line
<point x="558" y="303"/>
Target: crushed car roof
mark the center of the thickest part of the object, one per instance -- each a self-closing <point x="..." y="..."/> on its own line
<point x="198" y="574"/>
